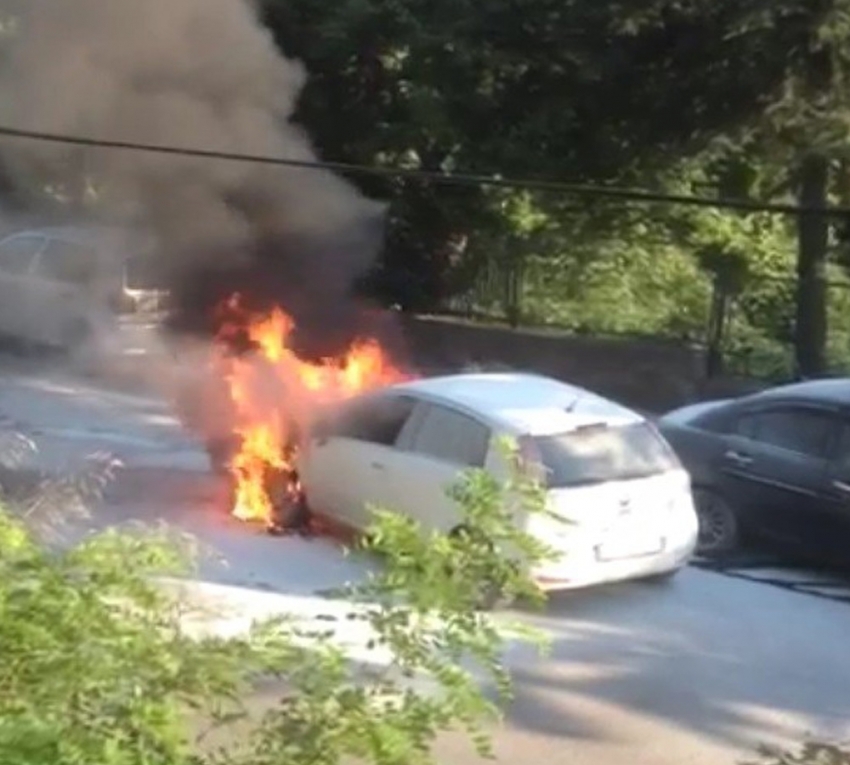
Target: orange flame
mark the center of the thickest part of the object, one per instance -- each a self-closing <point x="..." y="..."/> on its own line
<point x="273" y="392"/>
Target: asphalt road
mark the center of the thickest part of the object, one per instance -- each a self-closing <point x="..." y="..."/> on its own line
<point x="697" y="671"/>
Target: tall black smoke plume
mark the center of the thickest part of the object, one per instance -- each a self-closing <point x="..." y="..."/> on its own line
<point x="196" y="73"/>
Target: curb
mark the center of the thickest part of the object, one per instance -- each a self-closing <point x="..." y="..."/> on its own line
<point x="228" y="611"/>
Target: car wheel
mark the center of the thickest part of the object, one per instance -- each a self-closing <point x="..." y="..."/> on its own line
<point x="292" y="514"/>
<point x="719" y="530"/>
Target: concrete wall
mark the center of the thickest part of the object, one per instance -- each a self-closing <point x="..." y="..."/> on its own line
<point x="652" y="375"/>
<point x="647" y="374"/>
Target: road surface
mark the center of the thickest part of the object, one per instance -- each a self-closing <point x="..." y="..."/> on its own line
<point x="697" y="671"/>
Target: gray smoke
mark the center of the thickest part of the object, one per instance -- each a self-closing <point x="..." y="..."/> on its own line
<point x="197" y="73"/>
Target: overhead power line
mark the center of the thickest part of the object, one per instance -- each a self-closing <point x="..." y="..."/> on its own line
<point x="621" y="193"/>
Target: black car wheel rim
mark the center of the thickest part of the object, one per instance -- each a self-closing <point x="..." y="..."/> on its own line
<point x="717" y="526"/>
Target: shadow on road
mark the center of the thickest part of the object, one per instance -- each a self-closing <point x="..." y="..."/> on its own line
<point x="733" y="661"/>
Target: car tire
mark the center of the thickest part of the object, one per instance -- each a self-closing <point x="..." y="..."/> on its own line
<point x="719" y="528"/>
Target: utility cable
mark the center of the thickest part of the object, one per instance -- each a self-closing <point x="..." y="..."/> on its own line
<point x="623" y="194"/>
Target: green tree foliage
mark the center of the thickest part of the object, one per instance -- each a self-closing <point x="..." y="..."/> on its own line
<point x="97" y="664"/>
<point x="811" y="752"/>
<point x="738" y="98"/>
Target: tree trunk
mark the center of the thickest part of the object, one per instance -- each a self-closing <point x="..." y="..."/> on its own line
<point x="714" y="361"/>
<point x="813" y="240"/>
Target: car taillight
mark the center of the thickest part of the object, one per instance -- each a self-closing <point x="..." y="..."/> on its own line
<point x="530" y="458"/>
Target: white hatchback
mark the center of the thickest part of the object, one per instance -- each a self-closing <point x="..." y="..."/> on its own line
<point x="608" y="469"/>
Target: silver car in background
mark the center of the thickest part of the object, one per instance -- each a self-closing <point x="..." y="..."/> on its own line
<point x="77" y="289"/>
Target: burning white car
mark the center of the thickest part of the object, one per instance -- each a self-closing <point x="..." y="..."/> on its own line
<point x="331" y="438"/>
<point x="608" y="469"/>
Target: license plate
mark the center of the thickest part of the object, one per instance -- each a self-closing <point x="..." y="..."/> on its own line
<point x="629" y="548"/>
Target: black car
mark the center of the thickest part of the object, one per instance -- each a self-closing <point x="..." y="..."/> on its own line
<point x="773" y="466"/>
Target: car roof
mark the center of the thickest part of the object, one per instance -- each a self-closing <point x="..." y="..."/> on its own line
<point x="84" y="235"/>
<point x="79" y="234"/>
<point x="524" y="403"/>
<point x="834" y="390"/>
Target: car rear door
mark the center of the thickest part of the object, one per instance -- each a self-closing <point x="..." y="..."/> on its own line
<point x="346" y="466"/>
<point x="66" y="274"/>
<point x="18" y="254"/>
<point x="775" y="466"/>
<point x="437" y="444"/>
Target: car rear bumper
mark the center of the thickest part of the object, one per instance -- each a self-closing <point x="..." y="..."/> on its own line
<point x="581" y="565"/>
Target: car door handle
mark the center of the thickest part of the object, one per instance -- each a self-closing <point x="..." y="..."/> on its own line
<point x="738" y="458"/>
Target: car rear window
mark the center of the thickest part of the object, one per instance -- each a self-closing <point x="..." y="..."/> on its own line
<point x="600" y="453"/>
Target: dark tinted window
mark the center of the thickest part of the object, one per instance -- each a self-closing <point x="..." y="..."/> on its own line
<point x="803" y="431"/>
<point x="718" y="420"/>
<point x="377" y="421"/>
<point x="600" y="453"/>
<point x="68" y="262"/>
<point x="452" y="436"/>
<point x="17" y="254"/>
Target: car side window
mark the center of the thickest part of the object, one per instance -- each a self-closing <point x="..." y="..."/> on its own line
<point x="799" y="430"/>
<point x="68" y="262"/>
<point x="18" y="253"/>
<point x="376" y="421"/>
<point x="452" y="436"/>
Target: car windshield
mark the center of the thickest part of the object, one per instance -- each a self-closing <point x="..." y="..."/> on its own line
<point x="601" y="453"/>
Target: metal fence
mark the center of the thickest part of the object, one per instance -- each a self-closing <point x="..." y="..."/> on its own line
<point x="747" y="332"/>
<point x="538" y="293"/>
<point x="495" y="295"/>
<point x="752" y="332"/>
